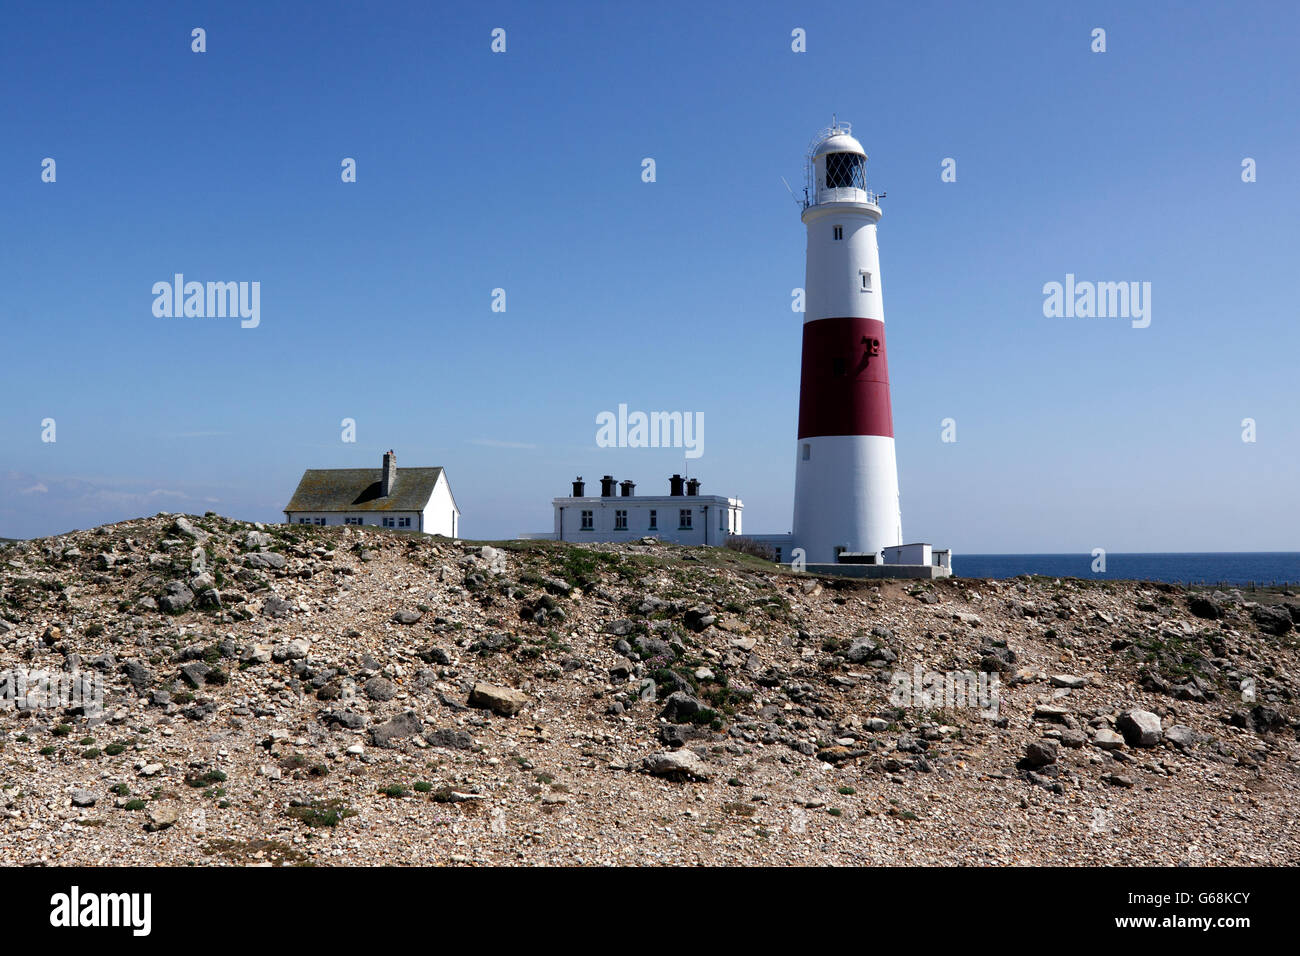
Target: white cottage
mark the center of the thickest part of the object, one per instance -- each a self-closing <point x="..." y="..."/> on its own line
<point x="618" y="513"/>
<point x="416" y="499"/>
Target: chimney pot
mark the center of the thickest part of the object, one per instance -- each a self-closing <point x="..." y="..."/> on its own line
<point x="579" y="487"/>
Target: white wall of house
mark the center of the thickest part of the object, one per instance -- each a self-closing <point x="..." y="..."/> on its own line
<point x="366" y="518"/>
<point x="441" y="516"/>
<point x="628" y="517"/>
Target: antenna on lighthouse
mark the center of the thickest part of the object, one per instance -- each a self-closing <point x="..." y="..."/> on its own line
<point x="801" y="205"/>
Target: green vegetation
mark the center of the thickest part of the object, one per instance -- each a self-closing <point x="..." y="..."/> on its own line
<point x="321" y="813"/>
<point x="205" y="779"/>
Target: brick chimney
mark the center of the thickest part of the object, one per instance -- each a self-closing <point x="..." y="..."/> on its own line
<point x="389" y="477"/>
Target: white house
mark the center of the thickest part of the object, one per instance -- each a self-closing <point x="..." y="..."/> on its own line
<point x="416" y="499"/>
<point x="618" y="513"/>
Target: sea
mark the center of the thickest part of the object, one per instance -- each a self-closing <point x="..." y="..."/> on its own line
<point x="1226" y="567"/>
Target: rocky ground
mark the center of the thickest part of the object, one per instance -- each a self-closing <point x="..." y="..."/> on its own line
<point x="294" y="695"/>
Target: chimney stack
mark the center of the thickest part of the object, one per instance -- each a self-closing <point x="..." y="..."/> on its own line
<point x="607" y="486"/>
<point x="693" y="487"/>
<point x="579" y="487"/>
<point x="389" y="476"/>
<point x="675" y="486"/>
<point x="628" y="486"/>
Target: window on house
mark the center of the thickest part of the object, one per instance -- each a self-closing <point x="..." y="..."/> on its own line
<point x="778" y="555"/>
<point x="403" y="522"/>
<point x="352" y="521"/>
<point x="588" y="521"/>
<point x="684" y="520"/>
<point x="620" y="520"/>
<point x="304" y="521"/>
<point x="320" y="521"/>
<point x="805" y="451"/>
<point x="866" y="281"/>
<point x="654" y="520"/>
<point x="390" y="523"/>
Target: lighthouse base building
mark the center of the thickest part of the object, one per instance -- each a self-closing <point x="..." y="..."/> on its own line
<point x="917" y="560"/>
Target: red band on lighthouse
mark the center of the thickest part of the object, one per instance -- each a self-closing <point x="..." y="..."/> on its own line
<point x="844" y="383"/>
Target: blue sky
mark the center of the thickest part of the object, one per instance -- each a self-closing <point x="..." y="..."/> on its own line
<point x="522" y="171"/>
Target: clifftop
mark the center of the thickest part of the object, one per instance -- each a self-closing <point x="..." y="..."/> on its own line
<point x="298" y="694"/>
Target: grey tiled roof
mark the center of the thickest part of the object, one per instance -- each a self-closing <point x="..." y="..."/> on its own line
<point x="357" y="489"/>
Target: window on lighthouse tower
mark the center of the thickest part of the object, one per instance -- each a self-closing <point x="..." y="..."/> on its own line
<point x="839" y="232"/>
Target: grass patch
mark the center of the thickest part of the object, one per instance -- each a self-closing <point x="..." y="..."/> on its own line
<point x="321" y="813"/>
<point x="205" y="779"/>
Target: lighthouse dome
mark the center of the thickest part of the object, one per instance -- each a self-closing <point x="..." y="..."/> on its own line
<point x="837" y="141"/>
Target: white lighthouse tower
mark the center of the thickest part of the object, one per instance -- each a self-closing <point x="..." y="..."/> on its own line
<point x="846" y="477"/>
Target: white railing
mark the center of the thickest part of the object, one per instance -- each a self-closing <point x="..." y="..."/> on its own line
<point x="843" y="194"/>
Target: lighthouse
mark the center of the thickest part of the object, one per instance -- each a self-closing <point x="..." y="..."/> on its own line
<point x="846" y="475"/>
